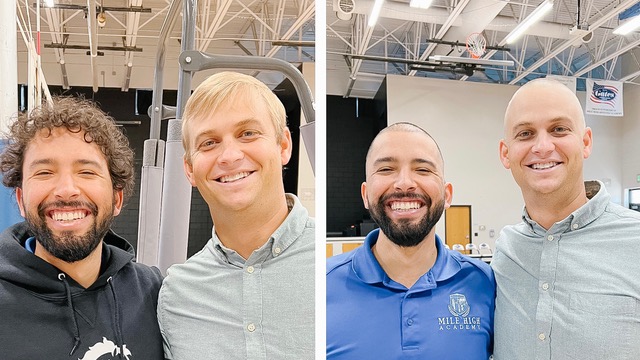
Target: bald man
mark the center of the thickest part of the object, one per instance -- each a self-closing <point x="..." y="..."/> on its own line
<point x="403" y="295"/>
<point x="568" y="278"/>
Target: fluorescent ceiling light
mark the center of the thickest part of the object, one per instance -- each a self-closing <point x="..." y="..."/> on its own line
<point x="628" y="26"/>
<point x="420" y="4"/>
<point x="375" y="12"/>
<point x="534" y="17"/>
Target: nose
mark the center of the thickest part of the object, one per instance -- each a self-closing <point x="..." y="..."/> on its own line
<point x="66" y="187"/>
<point x="231" y="152"/>
<point x="543" y="144"/>
<point x="404" y="181"/>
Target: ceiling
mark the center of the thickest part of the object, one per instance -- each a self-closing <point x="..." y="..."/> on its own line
<point x="127" y="44"/>
<point x="359" y="56"/>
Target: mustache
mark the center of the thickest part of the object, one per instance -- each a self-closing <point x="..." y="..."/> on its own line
<point x="42" y="208"/>
<point x="406" y="195"/>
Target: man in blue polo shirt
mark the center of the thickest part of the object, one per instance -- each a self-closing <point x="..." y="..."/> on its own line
<point x="403" y="295"/>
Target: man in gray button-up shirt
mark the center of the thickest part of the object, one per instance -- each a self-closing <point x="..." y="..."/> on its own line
<point x="249" y="293"/>
<point x="568" y="280"/>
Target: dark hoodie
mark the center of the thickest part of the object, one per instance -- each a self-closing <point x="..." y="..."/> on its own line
<point x="45" y="314"/>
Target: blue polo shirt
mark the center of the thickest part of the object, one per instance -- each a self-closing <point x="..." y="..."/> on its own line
<point x="446" y="314"/>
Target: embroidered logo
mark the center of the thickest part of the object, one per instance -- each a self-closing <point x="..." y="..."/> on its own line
<point x="460" y="321"/>
<point x="106" y="347"/>
<point x="458" y="305"/>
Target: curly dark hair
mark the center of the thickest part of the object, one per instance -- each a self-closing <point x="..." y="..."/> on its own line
<point x="76" y="115"/>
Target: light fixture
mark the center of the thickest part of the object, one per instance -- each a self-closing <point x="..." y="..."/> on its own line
<point x="102" y="19"/>
<point x="48" y="3"/>
<point x="534" y="17"/>
<point x="420" y="4"/>
<point x="628" y="26"/>
<point x="375" y="12"/>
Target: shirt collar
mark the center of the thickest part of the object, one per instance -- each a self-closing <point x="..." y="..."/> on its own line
<point x="285" y="235"/>
<point x="367" y="268"/>
<point x="598" y="199"/>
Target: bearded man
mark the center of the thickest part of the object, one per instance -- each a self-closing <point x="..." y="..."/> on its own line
<point x="403" y="295"/>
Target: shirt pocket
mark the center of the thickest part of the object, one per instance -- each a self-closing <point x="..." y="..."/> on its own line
<point x="601" y="326"/>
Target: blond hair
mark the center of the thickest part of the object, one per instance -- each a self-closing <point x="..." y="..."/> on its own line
<point x="222" y="88"/>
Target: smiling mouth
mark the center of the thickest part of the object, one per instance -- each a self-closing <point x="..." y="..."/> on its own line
<point x="544" y="166"/>
<point x="405" y="205"/>
<point x="235" y="177"/>
<point x="68" y="215"/>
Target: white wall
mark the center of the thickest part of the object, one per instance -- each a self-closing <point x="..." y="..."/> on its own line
<point x="631" y="138"/>
<point x="466" y="120"/>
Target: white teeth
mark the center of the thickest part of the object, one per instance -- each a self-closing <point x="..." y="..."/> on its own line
<point x="544" y="166"/>
<point x="235" y="177"/>
<point x="405" y="205"/>
<point x="68" y="215"/>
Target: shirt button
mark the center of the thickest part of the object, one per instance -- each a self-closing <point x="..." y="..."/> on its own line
<point x="277" y="250"/>
<point x="410" y="322"/>
<point x="541" y="336"/>
<point x="545" y="286"/>
<point x="574" y="226"/>
<point x="251" y="327"/>
<point x="250" y="269"/>
<point x="550" y="237"/>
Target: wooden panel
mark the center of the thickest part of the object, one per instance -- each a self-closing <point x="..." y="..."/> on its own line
<point x="458" y="225"/>
<point x="329" y="250"/>
<point x="349" y="246"/>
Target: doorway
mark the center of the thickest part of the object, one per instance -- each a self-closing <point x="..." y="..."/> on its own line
<point x="458" y="226"/>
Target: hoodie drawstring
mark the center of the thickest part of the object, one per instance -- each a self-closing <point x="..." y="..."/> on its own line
<point x="116" y="318"/>
<point x="76" y="332"/>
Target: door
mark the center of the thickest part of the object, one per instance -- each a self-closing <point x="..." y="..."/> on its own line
<point x="458" y="226"/>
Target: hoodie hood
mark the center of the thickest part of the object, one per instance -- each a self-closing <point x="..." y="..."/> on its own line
<point x="22" y="268"/>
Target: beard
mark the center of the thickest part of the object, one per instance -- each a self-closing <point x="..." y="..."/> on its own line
<point x="67" y="246"/>
<point x="404" y="233"/>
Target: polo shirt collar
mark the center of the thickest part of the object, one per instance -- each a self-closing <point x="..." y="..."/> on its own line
<point x="367" y="268"/>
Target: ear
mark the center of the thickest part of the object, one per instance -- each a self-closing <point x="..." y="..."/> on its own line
<point x="587" y="140"/>
<point x="363" y="193"/>
<point x="20" y="202"/>
<point x="118" y="197"/>
<point x="286" y="146"/>
<point x="448" y="195"/>
<point x="504" y="154"/>
<point x="188" y="171"/>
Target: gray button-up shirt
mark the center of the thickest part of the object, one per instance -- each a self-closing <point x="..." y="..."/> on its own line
<point x="573" y="291"/>
<point x="219" y="306"/>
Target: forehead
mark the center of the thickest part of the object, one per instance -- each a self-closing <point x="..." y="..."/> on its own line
<point x="404" y="146"/>
<point x="233" y="111"/>
<point x="543" y="103"/>
<point x="60" y="143"/>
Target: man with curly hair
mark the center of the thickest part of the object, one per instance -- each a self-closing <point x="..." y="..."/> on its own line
<point x="68" y="285"/>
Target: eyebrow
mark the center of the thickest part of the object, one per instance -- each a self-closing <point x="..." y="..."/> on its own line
<point x="414" y="161"/>
<point x="241" y="123"/>
<point x="48" y="161"/>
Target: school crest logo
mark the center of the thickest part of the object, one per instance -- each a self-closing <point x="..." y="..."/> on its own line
<point x="458" y="305"/>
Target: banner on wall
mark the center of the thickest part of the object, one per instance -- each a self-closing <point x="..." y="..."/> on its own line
<point x="604" y="97"/>
<point x="568" y="81"/>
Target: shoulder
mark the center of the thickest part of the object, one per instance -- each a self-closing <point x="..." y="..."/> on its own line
<point x="149" y="275"/>
<point x="469" y="263"/>
<point x="340" y="261"/>
<point x="623" y="213"/>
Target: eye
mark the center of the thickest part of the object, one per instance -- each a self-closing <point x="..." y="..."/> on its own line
<point x="384" y="170"/>
<point x="87" y="172"/>
<point x="524" y="134"/>
<point x="560" y="129"/>
<point x="41" y="173"/>
<point x="424" y="171"/>
<point x="207" y="144"/>
<point x="249" y="133"/>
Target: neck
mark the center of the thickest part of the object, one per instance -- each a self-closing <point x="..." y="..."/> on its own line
<point x="405" y="265"/>
<point x="85" y="272"/>
<point x="548" y="209"/>
<point x="247" y="230"/>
